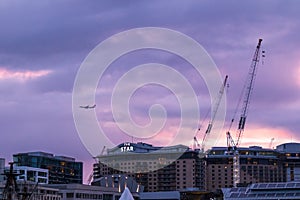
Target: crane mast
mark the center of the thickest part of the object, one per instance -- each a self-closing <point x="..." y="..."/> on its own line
<point x="247" y="91"/>
<point x="216" y="104"/>
<point x="214" y="113"/>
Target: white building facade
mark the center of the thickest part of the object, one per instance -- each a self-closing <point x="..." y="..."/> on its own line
<point x="36" y="175"/>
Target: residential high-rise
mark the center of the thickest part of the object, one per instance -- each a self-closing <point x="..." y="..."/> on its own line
<point x="61" y="169"/>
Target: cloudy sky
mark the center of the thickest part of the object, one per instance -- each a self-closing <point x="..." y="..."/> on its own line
<point x="43" y="44"/>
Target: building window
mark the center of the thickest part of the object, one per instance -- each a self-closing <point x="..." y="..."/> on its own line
<point x="70" y="195"/>
<point x="44" y="174"/>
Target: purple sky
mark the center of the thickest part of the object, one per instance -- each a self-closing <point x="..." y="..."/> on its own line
<point x="42" y="45"/>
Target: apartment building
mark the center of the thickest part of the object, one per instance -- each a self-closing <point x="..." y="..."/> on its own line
<point x="257" y="165"/>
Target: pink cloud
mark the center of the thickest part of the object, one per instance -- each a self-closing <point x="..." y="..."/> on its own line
<point x="262" y="136"/>
<point x="22" y="75"/>
<point x="298" y="74"/>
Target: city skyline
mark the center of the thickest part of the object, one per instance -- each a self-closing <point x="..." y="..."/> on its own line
<point x="43" y="45"/>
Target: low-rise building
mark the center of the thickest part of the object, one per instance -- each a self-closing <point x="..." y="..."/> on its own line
<point x="29" y="190"/>
<point x="290" y="156"/>
<point x="87" y="192"/>
<point x="62" y="169"/>
<point x="32" y="174"/>
<point x="119" y="181"/>
<point x="170" y="195"/>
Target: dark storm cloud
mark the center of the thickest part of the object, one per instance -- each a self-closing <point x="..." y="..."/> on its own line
<point x="44" y="31"/>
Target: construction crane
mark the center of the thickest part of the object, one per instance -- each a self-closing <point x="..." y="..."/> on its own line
<point x="247" y="92"/>
<point x="213" y="117"/>
<point x="271" y="143"/>
<point x="89" y="181"/>
<point x="196" y="144"/>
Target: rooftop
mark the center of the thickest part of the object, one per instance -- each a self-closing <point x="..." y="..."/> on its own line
<point x="47" y="155"/>
<point x="282" y="190"/>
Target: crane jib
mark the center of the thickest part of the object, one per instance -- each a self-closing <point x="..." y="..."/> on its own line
<point x="242" y="123"/>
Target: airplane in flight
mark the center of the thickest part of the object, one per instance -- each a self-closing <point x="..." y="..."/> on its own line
<point x="88" y="106"/>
